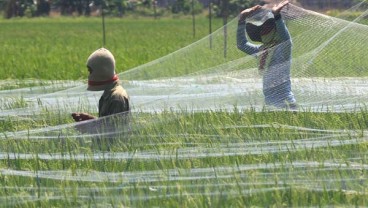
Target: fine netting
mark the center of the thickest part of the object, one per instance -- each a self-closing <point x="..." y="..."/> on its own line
<point x="185" y="135"/>
<point x="328" y="67"/>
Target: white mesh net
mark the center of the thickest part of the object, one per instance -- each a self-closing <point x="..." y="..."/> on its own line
<point x="328" y="74"/>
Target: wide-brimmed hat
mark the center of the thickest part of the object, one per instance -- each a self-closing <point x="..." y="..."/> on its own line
<point x="256" y="21"/>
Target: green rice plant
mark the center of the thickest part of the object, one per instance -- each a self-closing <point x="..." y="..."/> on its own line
<point x="57" y="48"/>
<point x="205" y="158"/>
<point x="235" y="145"/>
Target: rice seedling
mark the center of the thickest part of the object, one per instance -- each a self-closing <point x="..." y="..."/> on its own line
<point x="170" y="158"/>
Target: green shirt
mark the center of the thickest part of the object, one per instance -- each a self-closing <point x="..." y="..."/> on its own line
<point x="114" y="100"/>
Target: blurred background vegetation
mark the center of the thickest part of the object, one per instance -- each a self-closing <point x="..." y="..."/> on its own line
<point x="150" y="8"/>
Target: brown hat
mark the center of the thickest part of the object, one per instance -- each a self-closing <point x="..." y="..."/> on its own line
<point x="101" y="64"/>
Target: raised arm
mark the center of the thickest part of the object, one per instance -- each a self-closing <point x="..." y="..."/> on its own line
<point x="281" y="29"/>
<point x="242" y="42"/>
<point x="280" y="24"/>
<point x="241" y="39"/>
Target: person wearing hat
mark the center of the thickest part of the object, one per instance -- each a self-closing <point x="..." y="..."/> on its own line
<point x="274" y="54"/>
<point x="102" y="77"/>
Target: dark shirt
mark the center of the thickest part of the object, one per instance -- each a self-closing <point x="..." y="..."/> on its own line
<point x="114" y="100"/>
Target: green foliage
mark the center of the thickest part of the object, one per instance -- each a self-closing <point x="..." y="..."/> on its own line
<point x="321" y="4"/>
<point x="25" y="8"/>
<point x="186" y="7"/>
<point x="170" y="159"/>
<point x="231" y="7"/>
<point x="216" y="179"/>
<point x="39" y="54"/>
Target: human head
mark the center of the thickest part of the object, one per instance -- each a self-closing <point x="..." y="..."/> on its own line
<point x="101" y="67"/>
<point x="261" y="26"/>
<point x="268" y="31"/>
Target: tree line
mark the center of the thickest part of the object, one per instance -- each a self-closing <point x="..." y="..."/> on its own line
<point x="34" y="8"/>
<point x="219" y="8"/>
<point x="328" y="4"/>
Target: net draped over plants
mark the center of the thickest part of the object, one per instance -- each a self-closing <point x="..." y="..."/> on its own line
<point x="165" y="147"/>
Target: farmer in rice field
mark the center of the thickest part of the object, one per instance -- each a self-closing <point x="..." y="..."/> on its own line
<point x="102" y="76"/>
<point x="274" y="54"/>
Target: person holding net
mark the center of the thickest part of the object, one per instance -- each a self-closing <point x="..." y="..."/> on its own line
<point x="274" y="54"/>
<point x="113" y="107"/>
<point x="102" y="76"/>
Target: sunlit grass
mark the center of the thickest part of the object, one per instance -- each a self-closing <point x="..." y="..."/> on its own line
<point x="57" y="49"/>
<point x="168" y="159"/>
<point x="220" y="158"/>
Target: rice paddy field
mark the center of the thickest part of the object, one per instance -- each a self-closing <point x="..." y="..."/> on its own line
<point x="192" y="139"/>
<point x="41" y="48"/>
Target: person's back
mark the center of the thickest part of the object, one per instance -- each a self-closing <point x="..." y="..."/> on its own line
<point x="113" y="100"/>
